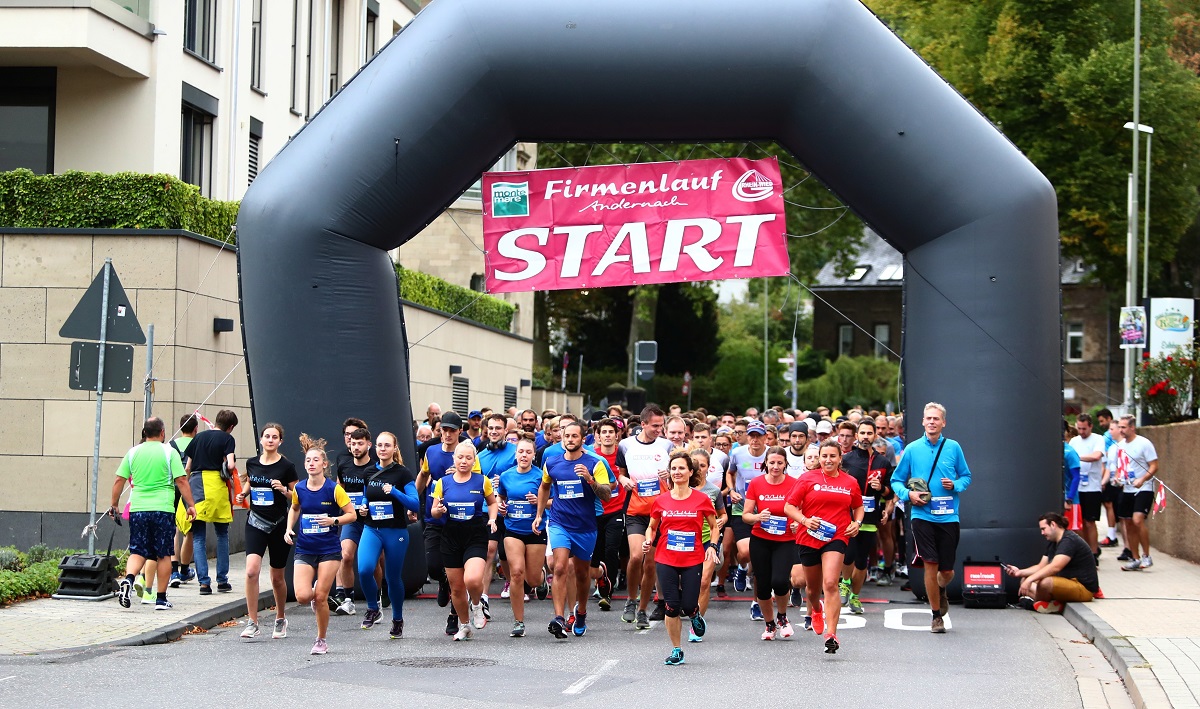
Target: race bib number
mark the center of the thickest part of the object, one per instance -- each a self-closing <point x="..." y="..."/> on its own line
<point x="262" y="496"/>
<point x="649" y="487"/>
<point x="1084" y="478"/>
<point x="824" y="532"/>
<point x="570" y="489"/>
<point x="520" y="510"/>
<point x="775" y="524"/>
<point x="681" y="541"/>
<point x="381" y="511"/>
<point x="308" y="524"/>
<point x="461" y="511"/>
<point x="358" y="499"/>
<point x="941" y="506"/>
<point x="869" y="504"/>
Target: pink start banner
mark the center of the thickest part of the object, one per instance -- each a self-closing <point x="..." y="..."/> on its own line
<point x="622" y="225"/>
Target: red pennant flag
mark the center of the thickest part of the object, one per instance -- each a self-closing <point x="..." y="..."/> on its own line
<point x="208" y="423"/>
<point x="1160" y="498"/>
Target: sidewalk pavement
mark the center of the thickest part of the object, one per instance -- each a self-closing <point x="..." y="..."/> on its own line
<point x="48" y="625"/>
<point x="1148" y="626"/>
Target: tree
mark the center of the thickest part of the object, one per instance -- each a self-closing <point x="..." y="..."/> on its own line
<point x="1055" y="77"/>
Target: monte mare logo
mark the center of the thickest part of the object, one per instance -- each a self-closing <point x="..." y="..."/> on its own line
<point x="510" y="199"/>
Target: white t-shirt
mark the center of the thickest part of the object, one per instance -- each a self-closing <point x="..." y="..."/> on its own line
<point x="795" y="466"/>
<point x="746" y="467"/>
<point x="1089" y="473"/>
<point x="718" y="463"/>
<point x="1128" y="460"/>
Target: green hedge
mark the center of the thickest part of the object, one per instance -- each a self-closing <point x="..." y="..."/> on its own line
<point x="433" y="292"/>
<point x="127" y="200"/>
<point x="39" y="579"/>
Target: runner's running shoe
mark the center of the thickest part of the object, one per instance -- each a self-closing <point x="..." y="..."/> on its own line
<point x="280" y="630"/>
<point x="769" y="631"/>
<point x="785" y="628"/>
<point x="518" y="630"/>
<point x="831" y="644"/>
<point x="464" y="632"/>
<point x="756" y="613"/>
<point x="251" y="630"/>
<point x="557" y="627"/>
<point x="739" y="579"/>
<point x="443" y="597"/>
<point x="1134" y="565"/>
<point x="579" y="627"/>
<point x="818" y="623"/>
<point x="855" y="605"/>
<point x="675" y="658"/>
<point x="478" y="617"/>
<point x="642" y="621"/>
<point x="320" y="647"/>
<point x="125" y="593"/>
<point x="163" y="605"/>
<point x="397" y="630"/>
<point x="451" y="624"/>
<point x="660" y="610"/>
<point x="505" y="592"/>
<point x="698" y="625"/>
<point x="370" y="618"/>
<point x="630" y="612"/>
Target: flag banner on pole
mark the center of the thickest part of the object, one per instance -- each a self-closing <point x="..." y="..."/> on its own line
<point x="623" y="225"/>
<point x="1160" y="498"/>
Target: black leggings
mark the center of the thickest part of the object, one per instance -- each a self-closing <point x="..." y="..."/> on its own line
<point x="433" y="552"/>
<point x="679" y="588"/>
<point x="860" y="548"/>
<point x="772" y="562"/>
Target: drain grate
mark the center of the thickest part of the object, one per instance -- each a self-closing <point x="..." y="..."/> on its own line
<point x="437" y="663"/>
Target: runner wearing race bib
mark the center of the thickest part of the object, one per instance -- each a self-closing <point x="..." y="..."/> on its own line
<point x="525" y="549"/>
<point x="269" y="481"/>
<point x="772" y="541"/>
<point x="641" y="463"/>
<point x="391" y="493"/>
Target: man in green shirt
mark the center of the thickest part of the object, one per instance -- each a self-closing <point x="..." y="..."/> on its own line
<point x="154" y="473"/>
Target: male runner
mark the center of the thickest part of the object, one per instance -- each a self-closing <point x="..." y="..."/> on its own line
<point x="642" y="467"/>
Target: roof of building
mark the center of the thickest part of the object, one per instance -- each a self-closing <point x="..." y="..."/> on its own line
<point x="879" y="265"/>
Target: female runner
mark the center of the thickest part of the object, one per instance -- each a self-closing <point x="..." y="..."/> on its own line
<point x="711" y="534"/>
<point x="677" y="522"/>
<point x="772" y="541"/>
<point x="270" y="479"/>
<point x="318" y="548"/>
<point x="828" y="504"/>
<point x="460" y="497"/>
<point x="391" y="492"/>
<point x="526" y="551"/>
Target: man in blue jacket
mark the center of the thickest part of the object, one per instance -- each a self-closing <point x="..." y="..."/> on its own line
<point x="938" y="462"/>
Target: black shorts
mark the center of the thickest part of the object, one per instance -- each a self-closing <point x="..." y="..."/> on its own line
<point x="637" y="524"/>
<point x="1090" y="504"/>
<point x="610" y="531"/>
<point x="462" y="541"/>
<point x="1110" y="493"/>
<point x="527" y="539"/>
<point x="269" y="544"/>
<point x="315" y="560"/>
<point x="498" y="537"/>
<point x="935" y="542"/>
<point x="858" y="551"/>
<point x="1133" y="502"/>
<point x="741" y="530"/>
<point x="811" y="556"/>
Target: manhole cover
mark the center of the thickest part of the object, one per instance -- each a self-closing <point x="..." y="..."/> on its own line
<point x="437" y="662"/>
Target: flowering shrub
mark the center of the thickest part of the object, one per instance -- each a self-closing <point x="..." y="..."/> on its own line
<point x="1164" y="384"/>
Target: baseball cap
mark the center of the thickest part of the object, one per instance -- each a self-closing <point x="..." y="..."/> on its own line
<point x="822" y="427"/>
<point x="475" y="414"/>
<point x="451" y="420"/>
<point x="756" y="427"/>
<point x="724" y="430"/>
<point x="800" y="426"/>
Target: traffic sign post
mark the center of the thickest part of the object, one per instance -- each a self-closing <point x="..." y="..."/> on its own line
<point x="687" y="388"/>
<point x="104" y="303"/>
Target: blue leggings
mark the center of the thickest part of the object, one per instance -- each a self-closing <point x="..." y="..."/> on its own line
<point x="393" y="542"/>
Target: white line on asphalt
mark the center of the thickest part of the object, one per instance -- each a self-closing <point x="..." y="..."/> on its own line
<point x="652" y="624"/>
<point x="3" y="679"/>
<point x="584" y="682"/>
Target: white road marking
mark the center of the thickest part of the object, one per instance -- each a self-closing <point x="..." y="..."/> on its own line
<point x="584" y="682"/>
<point x="3" y="679"/>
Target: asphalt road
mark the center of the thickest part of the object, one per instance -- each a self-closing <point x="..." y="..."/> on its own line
<point x="988" y="658"/>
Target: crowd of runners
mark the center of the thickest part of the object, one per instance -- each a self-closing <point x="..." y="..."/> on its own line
<point x="799" y="508"/>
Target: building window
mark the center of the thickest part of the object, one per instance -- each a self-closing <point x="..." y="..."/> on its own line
<point x="845" y="339"/>
<point x="196" y="139"/>
<point x="477" y="282"/>
<point x="883" y="339"/>
<point x="200" y="27"/>
<point x="256" y="133"/>
<point x="296" y="9"/>
<point x="27" y="119"/>
<point x="256" y="44"/>
<point x="371" y="35"/>
<point x="510" y="397"/>
<point x="335" y="46"/>
<point x="892" y="272"/>
<point x="858" y="273"/>
<point x="1075" y="342"/>
<point x="460" y="394"/>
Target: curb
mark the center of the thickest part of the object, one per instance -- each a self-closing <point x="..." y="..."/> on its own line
<point x="1140" y="681"/>
<point x="203" y="620"/>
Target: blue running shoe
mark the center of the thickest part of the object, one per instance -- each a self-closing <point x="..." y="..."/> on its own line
<point x="580" y="626"/>
<point x="756" y="612"/>
<point x="675" y="658"/>
<point x="739" y="580"/>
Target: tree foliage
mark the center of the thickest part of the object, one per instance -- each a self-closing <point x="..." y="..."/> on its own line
<point x="1056" y="78"/>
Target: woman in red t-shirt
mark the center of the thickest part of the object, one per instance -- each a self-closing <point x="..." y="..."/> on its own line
<point x="828" y="505"/>
<point x="772" y="541"/>
<point x="676" y="523"/>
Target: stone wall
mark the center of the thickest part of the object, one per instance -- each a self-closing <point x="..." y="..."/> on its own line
<point x="1174" y="529"/>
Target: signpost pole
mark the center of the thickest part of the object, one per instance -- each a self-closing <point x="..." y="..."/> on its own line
<point x="149" y="406"/>
<point x="99" y="407"/>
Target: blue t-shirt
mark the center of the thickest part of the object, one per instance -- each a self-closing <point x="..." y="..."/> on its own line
<point x="437" y="461"/>
<point x="311" y="538"/>
<point x="494" y="462"/>
<point x="465" y="501"/>
<point x="514" y="486"/>
<point x="574" y="507"/>
<point x="917" y="462"/>
<point x="1070" y="475"/>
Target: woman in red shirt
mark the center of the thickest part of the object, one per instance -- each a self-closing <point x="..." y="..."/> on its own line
<point x="772" y="541"/>
<point x="677" y="523"/>
<point x="828" y="504"/>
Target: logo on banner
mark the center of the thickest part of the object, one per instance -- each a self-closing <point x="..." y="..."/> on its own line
<point x="753" y="187"/>
<point x="510" y="199"/>
<point x="1172" y="321"/>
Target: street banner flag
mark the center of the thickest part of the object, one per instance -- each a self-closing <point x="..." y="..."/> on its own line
<point x="1160" y="498"/>
<point x="624" y="225"/>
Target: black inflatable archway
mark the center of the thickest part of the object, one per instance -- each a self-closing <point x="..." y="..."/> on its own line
<point x="976" y="221"/>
